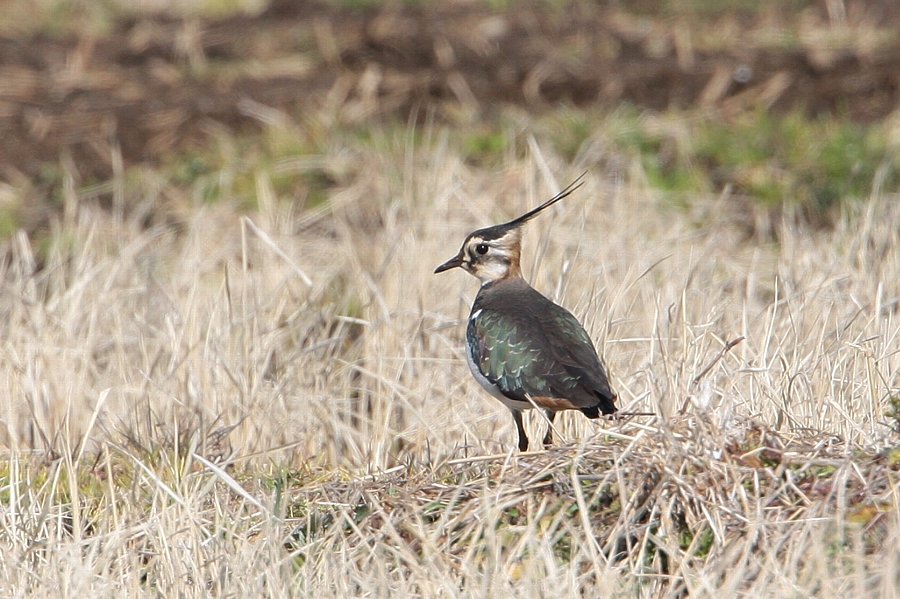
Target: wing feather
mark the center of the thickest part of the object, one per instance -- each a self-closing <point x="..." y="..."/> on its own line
<point x="548" y="354"/>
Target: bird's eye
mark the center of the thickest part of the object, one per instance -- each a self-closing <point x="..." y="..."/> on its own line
<point x="481" y="248"/>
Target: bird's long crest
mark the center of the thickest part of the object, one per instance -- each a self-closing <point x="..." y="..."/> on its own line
<point x="516" y="222"/>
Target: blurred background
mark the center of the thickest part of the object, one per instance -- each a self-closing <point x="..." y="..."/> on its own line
<point x="772" y="103"/>
<point x="227" y="367"/>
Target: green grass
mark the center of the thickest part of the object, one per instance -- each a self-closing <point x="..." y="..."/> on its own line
<point x="793" y="160"/>
<point x="816" y="163"/>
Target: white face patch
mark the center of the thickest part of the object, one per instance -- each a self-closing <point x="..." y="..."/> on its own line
<point x="491" y="270"/>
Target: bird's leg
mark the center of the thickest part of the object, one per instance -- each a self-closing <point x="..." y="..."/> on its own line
<point x="520" y="426"/>
<point x="548" y="438"/>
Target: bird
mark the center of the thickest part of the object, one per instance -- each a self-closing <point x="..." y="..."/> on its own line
<point x="521" y="347"/>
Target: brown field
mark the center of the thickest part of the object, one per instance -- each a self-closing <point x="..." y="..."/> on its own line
<point x="230" y="370"/>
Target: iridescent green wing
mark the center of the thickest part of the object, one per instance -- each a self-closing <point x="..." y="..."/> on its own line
<point x="546" y="353"/>
<point x="510" y="352"/>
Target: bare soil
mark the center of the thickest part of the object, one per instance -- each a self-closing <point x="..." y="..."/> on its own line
<point x="156" y="86"/>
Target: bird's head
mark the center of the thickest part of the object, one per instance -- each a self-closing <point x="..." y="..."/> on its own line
<point x="492" y="253"/>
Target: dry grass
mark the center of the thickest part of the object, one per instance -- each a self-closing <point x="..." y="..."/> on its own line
<point x="277" y="404"/>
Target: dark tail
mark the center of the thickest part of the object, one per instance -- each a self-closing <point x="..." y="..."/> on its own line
<point x="606" y="405"/>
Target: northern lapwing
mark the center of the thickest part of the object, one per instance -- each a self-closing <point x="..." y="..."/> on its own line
<point x="521" y="347"/>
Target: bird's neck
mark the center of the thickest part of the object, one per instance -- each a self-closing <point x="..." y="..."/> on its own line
<point x="512" y="277"/>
